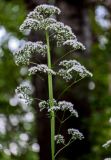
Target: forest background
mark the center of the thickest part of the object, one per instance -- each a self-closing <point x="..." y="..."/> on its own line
<point x="22" y="129"/>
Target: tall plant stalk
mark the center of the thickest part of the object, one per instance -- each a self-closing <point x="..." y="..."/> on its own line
<point x="50" y="90"/>
<point x="43" y="18"/>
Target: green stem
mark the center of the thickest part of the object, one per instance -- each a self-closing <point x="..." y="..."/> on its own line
<point x="63" y="56"/>
<point x="50" y="90"/>
<point x="66" y="119"/>
<point x="61" y="122"/>
<point x="60" y="150"/>
<point x="69" y="87"/>
<point x="63" y="147"/>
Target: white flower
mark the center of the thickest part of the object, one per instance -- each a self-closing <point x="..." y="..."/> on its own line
<point x="107" y="159"/>
<point x="107" y="144"/>
<point x="29" y="24"/>
<point x="24" y="92"/>
<point x="41" y="68"/>
<point x="46" y="104"/>
<point x="23" y="55"/>
<point x="35" y="15"/>
<point x="54" y="108"/>
<point x="74" y="44"/>
<point x="46" y="22"/>
<point x="59" y="139"/>
<point x="64" y="106"/>
<point x="47" y="10"/>
<point x="65" y="75"/>
<point x="61" y="32"/>
<point x="67" y="106"/>
<point x="40" y="18"/>
<point x="33" y="24"/>
<point x="71" y="66"/>
<point x="43" y="105"/>
<point x="75" y="134"/>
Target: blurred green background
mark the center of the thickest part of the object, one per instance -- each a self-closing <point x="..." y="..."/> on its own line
<point x="91" y="21"/>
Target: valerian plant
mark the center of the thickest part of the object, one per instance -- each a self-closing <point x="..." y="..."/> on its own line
<point x="42" y="18"/>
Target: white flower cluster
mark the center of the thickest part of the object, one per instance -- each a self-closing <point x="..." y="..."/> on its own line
<point x="33" y="24"/>
<point x="40" y="18"/>
<point x="74" y="44"/>
<point x="75" y="134"/>
<point x="54" y="108"/>
<point x="61" y="32"/>
<point x="59" y="139"/>
<point x="64" y="106"/>
<point x="46" y="104"/>
<point x="23" y="55"/>
<point x="24" y="92"/>
<point x="107" y="159"/>
<point x="29" y="24"/>
<point x="41" y="68"/>
<point x="47" y="10"/>
<point x="58" y="106"/>
<point x="63" y="73"/>
<point x="107" y="144"/>
<point x="67" y="106"/>
<point x="71" y="66"/>
<point x="43" y="105"/>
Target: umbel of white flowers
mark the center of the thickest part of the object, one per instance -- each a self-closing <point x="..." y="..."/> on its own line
<point x="59" y="106"/>
<point x="70" y="66"/>
<point x="42" y="19"/>
<point x="24" y="92"/>
<point x="75" y="134"/>
<point x="23" y="55"/>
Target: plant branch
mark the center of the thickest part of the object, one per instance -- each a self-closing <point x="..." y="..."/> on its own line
<point x="61" y="122"/>
<point x="69" y="87"/>
<point x="66" y="119"/>
<point x="63" y="56"/>
<point x="63" y="147"/>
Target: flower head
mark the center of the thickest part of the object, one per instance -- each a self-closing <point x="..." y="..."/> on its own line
<point x="23" y="55"/>
<point x="75" y="134"/>
<point x="71" y="66"/>
<point x="74" y="44"/>
<point x="62" y="32"/>
<point x="29" y="24"/>
<point x="59" y="139"/>
<point x="24" y="92"/>
<point x="67" y="106"/>
<point x="47" y="10"/>
<point x="46" y="104"/>
<point x="33" y="24"/>
<point x="43" y="105"/>
<point x="41" y="68"/>
<point x="64" y="106"/>
<point x="40" y="18"/>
